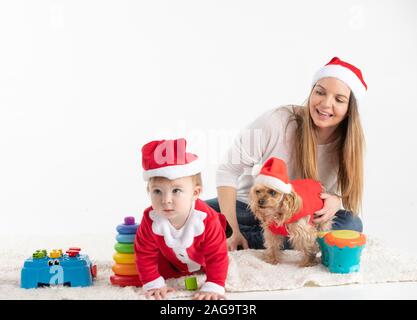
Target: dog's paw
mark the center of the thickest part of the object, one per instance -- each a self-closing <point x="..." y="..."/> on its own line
<point x="270" y="259"/>
<point x="305" y="263"/>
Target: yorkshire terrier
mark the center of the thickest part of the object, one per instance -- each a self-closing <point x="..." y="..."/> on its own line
<point x="280" y="216"/>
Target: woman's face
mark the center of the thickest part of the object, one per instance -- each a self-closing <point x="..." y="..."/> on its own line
<point x="329" y="102"/>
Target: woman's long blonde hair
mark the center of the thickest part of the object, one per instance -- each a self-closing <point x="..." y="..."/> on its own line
<point x="349" y="149"/>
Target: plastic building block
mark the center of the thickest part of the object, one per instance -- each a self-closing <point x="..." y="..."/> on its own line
<point x="55" y="253"/>
<point x="191" y="283"/>
<point x="57" y="269"/>
<point x="72" y="253"/>
<point x="39" y="254"/>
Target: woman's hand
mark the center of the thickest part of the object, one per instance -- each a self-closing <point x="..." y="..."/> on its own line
<point x="202" y="295"/>
<point x="158" y="294"/>
<point x="236" y="239"/>
<point x="332" y="204"/>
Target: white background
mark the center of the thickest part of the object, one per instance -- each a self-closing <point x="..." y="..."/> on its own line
<point x="84" y="84"/>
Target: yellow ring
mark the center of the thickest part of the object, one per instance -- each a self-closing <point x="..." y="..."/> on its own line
<point x="124" y="258"/>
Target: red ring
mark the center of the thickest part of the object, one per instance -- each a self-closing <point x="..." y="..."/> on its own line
<point x="125" y="281"/>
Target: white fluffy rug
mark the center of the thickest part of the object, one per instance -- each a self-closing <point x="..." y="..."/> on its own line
<point x="247" y="272"/>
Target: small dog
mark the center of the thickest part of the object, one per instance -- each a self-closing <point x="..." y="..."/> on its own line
<point x="280" y="216"/>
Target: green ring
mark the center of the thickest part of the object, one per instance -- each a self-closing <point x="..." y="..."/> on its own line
<point x="124" y="247"/>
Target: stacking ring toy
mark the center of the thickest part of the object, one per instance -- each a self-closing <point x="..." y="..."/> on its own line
<point x="343" y="249"/>
<point x="324" y="253"/>
<point x="125" y="269"/>
<point x="124" y="258"/>
<point x="125" y="272"/>
<point x="125" y="238"/>
<point x="124" y="247"/>
<point x="124" y="281"/>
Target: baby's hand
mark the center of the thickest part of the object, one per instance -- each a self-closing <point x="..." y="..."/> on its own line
<point x="158" y="294"/>
<point x="203" y="295"/>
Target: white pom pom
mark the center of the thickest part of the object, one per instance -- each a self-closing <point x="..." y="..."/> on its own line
<point x="256" y="169"/>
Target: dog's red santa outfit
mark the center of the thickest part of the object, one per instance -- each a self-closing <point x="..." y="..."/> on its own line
<point x="161" y="251"/>
<point x="274" y="174"/>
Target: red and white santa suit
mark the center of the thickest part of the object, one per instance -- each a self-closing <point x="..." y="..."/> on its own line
<point x="161" y="251"/>
<point x="309" y="191"/>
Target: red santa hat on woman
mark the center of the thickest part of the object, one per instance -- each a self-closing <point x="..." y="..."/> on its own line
<point x="168" y="159"/>
<point x="345" y="72"/>
<point x="274" y="175"/>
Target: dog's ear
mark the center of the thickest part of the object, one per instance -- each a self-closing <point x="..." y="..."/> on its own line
<point x="291" y="203"/>
<point x="252" y="200"/>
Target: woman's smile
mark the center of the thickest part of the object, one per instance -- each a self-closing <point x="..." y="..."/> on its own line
<point x="323" y="115"/>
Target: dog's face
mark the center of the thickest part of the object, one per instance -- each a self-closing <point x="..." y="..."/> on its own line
<point x="270" y="205"/>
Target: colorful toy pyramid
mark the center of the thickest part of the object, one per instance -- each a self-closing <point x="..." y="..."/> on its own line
<point x="125" y="273"/>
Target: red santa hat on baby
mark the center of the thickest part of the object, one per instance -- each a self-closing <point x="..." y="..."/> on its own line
<point x="274" y="175"/>
<point x="168" y="159"/>
<point x="345" y="72"/>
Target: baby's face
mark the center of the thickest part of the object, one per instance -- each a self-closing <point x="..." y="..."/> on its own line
<point x="173" y="198"/>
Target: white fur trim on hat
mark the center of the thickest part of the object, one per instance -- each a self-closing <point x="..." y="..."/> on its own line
<point x="274" y="183"/>
<point x="174" y="171"/>
<point x="344" y="74"/>
<point x="256" y="169"/>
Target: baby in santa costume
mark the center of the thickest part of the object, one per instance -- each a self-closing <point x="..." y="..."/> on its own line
<point x="179" y="234"/>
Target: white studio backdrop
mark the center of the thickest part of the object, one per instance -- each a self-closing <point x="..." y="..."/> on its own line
<point x="84" y="84"/>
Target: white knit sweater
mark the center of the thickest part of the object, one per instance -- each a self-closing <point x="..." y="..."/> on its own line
<point x="268" y="136"/>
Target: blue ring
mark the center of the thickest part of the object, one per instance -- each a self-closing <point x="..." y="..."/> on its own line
<point x="125" y="238"/>
<point x="127" y="228"/>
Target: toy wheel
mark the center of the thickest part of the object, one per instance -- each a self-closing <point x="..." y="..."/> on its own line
<point x="94" y="271"/>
